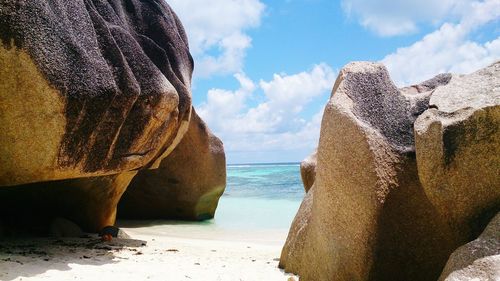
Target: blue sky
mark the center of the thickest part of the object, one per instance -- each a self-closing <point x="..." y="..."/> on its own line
<point x="264" y="69"/>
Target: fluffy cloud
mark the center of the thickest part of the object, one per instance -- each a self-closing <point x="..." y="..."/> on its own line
<point x="448" y="49"/>
<point x="395" y="17"/>
<point x="445" y="50"/>
<point x="275" y="122"/>
<point x="217" y="32"/>
<point x="223" y="105"/>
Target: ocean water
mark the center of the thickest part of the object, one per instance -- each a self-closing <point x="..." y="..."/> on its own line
<point x="259" y="205"/>
<point x="260" y="196"/>
<point x="265" y="181"/>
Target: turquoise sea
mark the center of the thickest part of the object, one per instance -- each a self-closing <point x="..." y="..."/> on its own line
<point x="265" y="181"/>
<point x="260" y="196"/>
<point x="259" y="205"/>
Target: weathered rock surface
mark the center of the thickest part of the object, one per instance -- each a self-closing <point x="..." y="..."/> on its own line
<point x="458" y="151"/>
<point x="90" y="92"/>
<point x="308" y="170"/>
<point x="89" y="88"/>
<point x="188" y="183"/>
<point x="371" y="217"/>
<point x="478" y="260"/>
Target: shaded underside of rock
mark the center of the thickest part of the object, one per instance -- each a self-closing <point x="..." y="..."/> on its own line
<point x="89" y="202"/>
<point x="370" y="218"/>
<point x="89" y="88"/>
<point x="188" y="183"/>
<point x="308" y="171"/>
<point x="477" y="260"/>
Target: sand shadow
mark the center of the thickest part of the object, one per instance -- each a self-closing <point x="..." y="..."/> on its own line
<point x="28" y="257"/>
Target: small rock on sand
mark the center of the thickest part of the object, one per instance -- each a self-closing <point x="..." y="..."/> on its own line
<point x="61" y="227"/>
<point x="114" y="232"/>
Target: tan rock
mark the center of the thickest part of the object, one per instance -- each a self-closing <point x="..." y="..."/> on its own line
<point x="308" y="171"/>
<point x="81" y="96"/>
<point x="31" y="119"/>
<point x="90" y="92"/>
<point x="458" y="151"/>
<point x="188" y="183"/>
<point x="370" y="218"/>
<point x="294" y="248"/>
<point x="478" y="260"/>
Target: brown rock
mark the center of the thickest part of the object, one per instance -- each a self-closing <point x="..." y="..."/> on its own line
<point x="89" y="88"/>
<point x="90" y="91"/>
<point x="478" y="260"/>
<point x="294" y="248"/>
<point x="370" y="218"/>
<point x="308" y="171"/>
<point x="458" y="151"/>
<point x="188" y="183"/>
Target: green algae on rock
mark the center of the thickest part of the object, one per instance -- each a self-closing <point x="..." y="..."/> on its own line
<point x="188" y="183"/>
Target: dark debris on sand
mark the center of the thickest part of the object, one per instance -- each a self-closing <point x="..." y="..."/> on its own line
<point x="18" y="250"/>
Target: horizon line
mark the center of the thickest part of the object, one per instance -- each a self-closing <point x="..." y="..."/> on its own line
<point x="263" y="163"/>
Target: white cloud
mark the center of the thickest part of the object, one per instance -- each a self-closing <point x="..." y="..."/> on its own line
<point x="223" y="105"/>
<point x="217" y="32"/>
<point x="396" y="17"/>
<point x="447" y="49"/>
<point x="274" y="123"/>
<point x="293" y="92"/>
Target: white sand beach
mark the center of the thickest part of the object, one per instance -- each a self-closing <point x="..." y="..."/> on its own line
<point x="243" y="242"/>
<point x="199" y="255"/>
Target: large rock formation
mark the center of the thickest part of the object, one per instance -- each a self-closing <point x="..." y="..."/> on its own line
<point x="477" y="260"/>
<point x="89" y="88"/>
<point x="90" y="92"/>
<point x="370" y="217"/>
<point x="188" y="183"/>
<point x="308" y="170"/>
<point x="458" y="151"/>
